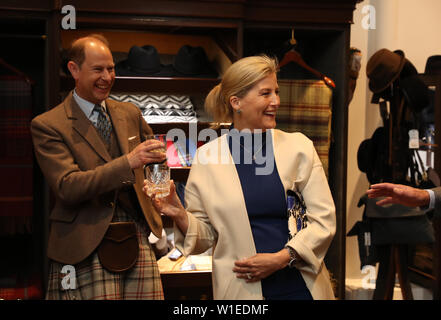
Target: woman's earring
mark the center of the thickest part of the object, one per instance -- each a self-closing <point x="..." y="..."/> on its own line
<point x="239" y="111"/>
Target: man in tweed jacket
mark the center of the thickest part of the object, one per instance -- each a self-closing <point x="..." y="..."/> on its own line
<point x="96" y="179"/>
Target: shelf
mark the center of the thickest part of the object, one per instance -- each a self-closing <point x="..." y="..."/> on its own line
<point x="160" y="85"/>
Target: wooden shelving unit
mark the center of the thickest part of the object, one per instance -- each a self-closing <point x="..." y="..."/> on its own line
<point x="161" y="85"/>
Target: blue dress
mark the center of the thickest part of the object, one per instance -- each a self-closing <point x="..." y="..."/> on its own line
<point x="265" y="201"/>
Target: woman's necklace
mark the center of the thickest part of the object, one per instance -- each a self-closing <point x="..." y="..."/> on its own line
<point x="243" y="147"/>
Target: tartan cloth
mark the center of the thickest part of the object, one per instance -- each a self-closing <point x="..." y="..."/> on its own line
<point x="306" y="107"/>
<point x="16" y="159"/>
<point x="93" y="282"/>
<point x="15" y="118"/>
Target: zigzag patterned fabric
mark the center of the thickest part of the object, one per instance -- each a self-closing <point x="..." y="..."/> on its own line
<point x="164" y="102"/>
<point x="167" y="112"/>
<point x="161" y="108"/>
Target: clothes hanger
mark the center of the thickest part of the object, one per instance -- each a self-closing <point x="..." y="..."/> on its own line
<point x="294" y="56"/>
<point x="17" y="72"/>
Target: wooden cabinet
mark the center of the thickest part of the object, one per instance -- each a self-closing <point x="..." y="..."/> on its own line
<point x="234" y="27"/>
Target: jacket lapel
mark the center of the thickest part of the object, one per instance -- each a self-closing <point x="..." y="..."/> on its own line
<point x="228" y="172"/>
<point x="119" y="126"/>
<point x="283" y="161"/>
<point x="85" y="128"/>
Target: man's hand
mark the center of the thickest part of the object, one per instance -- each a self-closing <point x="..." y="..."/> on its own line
<point x="143" y="154"/>
<point x="399" y="194"/>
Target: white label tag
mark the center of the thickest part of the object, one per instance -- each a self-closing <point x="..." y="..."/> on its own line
<point x="414" y="141"/>
<point x="367" y="239"/>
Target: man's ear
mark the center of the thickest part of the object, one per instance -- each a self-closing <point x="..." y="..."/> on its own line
<point x="74" y="69"/>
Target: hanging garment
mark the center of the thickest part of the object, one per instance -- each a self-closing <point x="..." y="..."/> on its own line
<point x="306" y="107"/>
<point x="16" y="166"/>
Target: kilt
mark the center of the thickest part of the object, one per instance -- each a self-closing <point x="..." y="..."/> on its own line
<point x="93" y="282"/>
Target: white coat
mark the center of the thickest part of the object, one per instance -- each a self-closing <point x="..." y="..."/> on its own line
<point x="217" y="214"/>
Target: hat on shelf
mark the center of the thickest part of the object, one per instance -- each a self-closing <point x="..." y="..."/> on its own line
<point x="415" y="92"/>
<point x="433" y="65"/>
<point x="193" y="62"/>
<point x="142" y="62"/>
<point x="383" y="68"/>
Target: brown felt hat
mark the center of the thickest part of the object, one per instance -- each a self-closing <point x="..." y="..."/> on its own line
<point x="383" y="68"/>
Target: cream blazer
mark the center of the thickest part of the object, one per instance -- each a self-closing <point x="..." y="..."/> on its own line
<point x="218" y="218"/>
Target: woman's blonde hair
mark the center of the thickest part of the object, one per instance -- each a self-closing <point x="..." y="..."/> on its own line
<point x="239" y="78"/>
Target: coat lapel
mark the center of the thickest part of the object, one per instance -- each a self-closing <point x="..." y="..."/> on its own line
<point x="228" y="172"/>
<point x="283" y="161"/>
<point x="85" y="128"/>
<point x="119" y="126"/>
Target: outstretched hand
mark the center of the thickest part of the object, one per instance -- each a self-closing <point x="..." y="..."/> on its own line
<point x="399" y="194"/>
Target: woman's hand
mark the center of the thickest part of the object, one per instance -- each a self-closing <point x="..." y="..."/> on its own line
<point x="261" y="265"/>
<point x="171" y="206"/>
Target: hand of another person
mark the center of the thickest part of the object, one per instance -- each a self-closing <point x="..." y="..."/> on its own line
<point x="171" y="206"/>
<point x="143" y="154"/>
<point x="399" y="194"/>
<point x="260" y="266"/>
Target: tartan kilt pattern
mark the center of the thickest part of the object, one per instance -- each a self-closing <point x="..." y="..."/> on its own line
<point x="306" y="107"/>
<point x="93" y="282"/>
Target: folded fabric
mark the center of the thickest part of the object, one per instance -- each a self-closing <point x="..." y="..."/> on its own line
<point x="168" y="112"/>
<point x="168" y="119"/>
<point x="147" y="101"/>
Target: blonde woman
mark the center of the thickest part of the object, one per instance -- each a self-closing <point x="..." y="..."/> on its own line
<point x="236" y="196"/>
